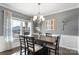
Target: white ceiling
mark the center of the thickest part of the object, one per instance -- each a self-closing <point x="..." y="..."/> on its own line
<point x="31" y="9"/>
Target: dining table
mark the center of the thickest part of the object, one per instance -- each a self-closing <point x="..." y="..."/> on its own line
<point x="47" y="38"/>
<point x="43" y="40"/>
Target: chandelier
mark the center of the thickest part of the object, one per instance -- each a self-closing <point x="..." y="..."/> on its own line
<point x="39" y="17"/>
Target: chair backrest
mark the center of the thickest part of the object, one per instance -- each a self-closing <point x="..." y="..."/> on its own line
<point x="26" y="33"/>
<point x="55" y="40"/>
<point x="22" y="40"/>
<point x="58" y="41"/>
<point x="30" y="43"/>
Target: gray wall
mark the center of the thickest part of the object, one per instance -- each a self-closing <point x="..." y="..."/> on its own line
<point x="78" y="33"/>
<point x="14" y="14"/>
<point x="78" y="22"/>
<point x="1" y="21"/>
<point x="71" y="22"/>
<point x="71" y="27"/>
<point x="78" y="25"/>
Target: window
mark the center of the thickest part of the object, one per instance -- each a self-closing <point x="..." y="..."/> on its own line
<point x="17" y="27"/>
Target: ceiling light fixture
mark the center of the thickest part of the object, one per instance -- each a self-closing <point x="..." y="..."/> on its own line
<point x="39" y="17"/>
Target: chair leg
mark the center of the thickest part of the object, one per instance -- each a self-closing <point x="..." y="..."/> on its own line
<point x="58" y="51"/>
<point x="55" y="52"/>
<point x="20" y="50"/>
<point x="25" y="51"/>
<point x="28" y="52"/>
<point x="20" y="53"/>
<point x="49" y="51"/>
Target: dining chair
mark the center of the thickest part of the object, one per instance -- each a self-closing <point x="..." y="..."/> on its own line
<point x="32" y="47"/>
<point x="23" y="44"/>
<point x="54" y="47"/>
<point x="26" y="33"/>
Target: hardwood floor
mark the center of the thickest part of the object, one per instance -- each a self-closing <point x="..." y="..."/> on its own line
<point x="9" y="52"/>
<point x="62" y="51"/>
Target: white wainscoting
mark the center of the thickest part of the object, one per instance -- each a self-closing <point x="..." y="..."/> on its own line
<point x="66" y="41"/>
<point x="69" y="41"/>
<point x="78" y="44"/>
<point x="4" y="45"/>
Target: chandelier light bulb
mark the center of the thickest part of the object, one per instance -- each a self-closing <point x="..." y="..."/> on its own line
<point x="43" y="19"/>
<point x="34" y="18"/>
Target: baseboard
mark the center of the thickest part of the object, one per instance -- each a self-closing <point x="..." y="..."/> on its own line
<point x="8" y="49"/>
<point x="68" y="47"/>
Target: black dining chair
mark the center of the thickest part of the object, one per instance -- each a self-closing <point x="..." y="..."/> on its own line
<point x="23" y="44"/>
<point x="32" y="47"/>
<point x="26" y="33"/>
<point x="54" y="47"/>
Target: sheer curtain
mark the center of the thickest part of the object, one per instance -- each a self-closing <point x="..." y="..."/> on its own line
<point x="7" y="25"/>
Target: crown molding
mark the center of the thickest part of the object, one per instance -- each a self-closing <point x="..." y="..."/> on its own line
<point x="64" y="10"/>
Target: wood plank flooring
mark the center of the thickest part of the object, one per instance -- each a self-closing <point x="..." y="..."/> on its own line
<point x="62" y="51"/>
